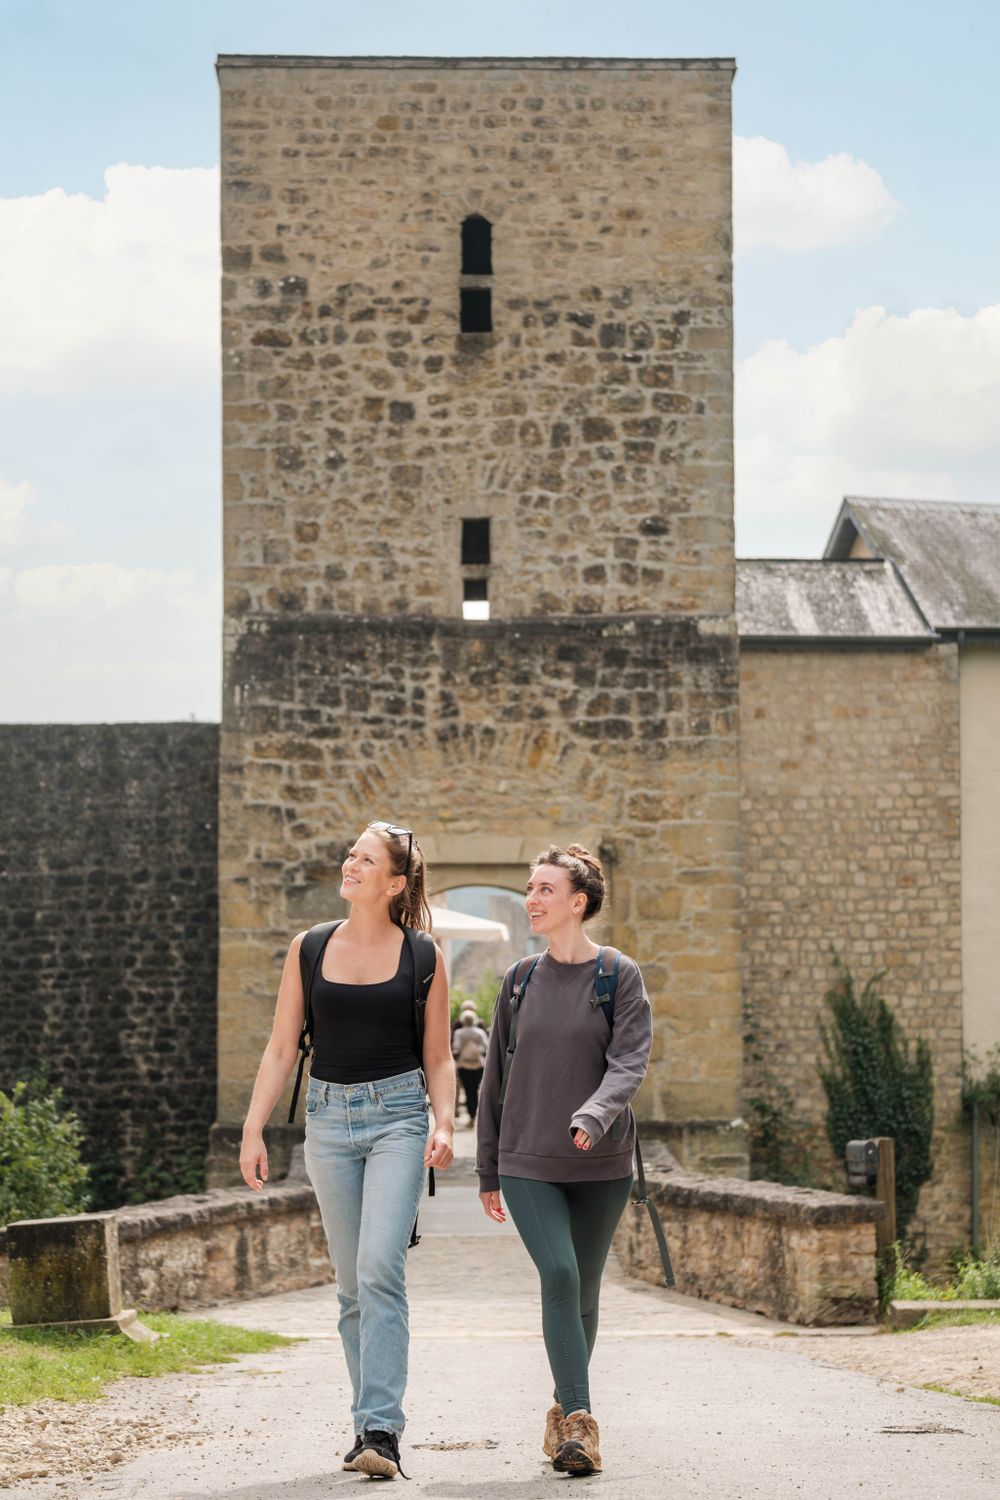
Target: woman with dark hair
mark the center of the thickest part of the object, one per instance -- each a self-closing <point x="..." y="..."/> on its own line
<point x="367" y="1143"/>
<point x="556" y="1132"/>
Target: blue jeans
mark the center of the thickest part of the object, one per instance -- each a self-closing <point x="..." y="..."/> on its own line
<point x="365" y="1158"/>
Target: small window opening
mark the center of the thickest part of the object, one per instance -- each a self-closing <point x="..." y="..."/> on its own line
<point x="476" y="543"/>
<point x="477" y="246"/>
<point x="475" y="600"/>
<point x="476" y="309"/>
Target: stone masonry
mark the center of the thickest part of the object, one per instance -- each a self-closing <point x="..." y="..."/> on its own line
<point x="109" y="938"/>
<point x="591" y="427"/>
<point x="850" y="823"/>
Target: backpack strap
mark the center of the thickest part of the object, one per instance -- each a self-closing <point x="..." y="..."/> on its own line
<point x="605" y="985"/>
<point x="517" y="995"/>
<point x="311" y="951"/>
<point x="423" y="954"/>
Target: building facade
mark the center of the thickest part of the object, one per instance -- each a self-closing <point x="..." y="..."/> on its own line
<point x="477" y="347"/>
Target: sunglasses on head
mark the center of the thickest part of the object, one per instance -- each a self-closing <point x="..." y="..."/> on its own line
<point x="394" y="831"/>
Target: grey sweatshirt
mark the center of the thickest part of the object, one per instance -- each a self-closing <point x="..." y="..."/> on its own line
<point x="568" y="1073"/>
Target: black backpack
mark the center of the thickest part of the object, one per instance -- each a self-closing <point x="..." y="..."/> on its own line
<point x="605" y="986"/>
<point x="424" y="962"/>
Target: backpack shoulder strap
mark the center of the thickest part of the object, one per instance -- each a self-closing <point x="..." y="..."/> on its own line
<point x="516" y="996"/>
<point x="423" y="954"/>
<point x="423" y="957"/>
<point x="310" y="954"/>
<point x="606" y="983"/>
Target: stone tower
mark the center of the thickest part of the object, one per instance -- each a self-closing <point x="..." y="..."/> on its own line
<point x="477" y="353"/>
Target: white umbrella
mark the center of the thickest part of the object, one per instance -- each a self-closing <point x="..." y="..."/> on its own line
<point x="458" y="924"/>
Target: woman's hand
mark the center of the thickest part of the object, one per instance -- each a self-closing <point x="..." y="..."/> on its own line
<point x="581" y="1140"/>
<point x="253" y="1155"/>
<point x="440" y="1149"/>
<point x="492" y="1207"/>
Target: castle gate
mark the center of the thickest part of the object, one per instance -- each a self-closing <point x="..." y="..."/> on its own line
<point x="477" y="352"/>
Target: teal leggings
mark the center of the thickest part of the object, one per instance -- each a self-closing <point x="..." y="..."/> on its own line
<point x="567" y="1229"/>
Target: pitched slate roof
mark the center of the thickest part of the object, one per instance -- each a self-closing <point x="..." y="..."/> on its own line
<point x="947" y="552"/>
<point x="812" y="599"/>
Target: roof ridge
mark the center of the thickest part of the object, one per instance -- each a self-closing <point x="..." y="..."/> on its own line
<point x="897" y="502"/>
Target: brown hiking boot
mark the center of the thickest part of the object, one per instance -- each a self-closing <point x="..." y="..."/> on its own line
<point x="554" y="1433"/>
<point x="579" y="1452"/>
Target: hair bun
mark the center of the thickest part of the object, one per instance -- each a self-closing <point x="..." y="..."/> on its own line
<point x="585" y="856"/>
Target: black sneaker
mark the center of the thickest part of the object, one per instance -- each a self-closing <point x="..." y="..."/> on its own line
<point x="379" y="1456"/>
<point x="352" y="1453"/>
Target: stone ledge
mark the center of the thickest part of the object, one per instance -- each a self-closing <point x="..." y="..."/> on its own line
<point x="216" y="1207"/>
<point x="198" y="1249"/>
<point x="907" y="1314"/>
<point x="797" y="1254"/>
<point x="770" y="1200"/>
<point x="500" y="64"/>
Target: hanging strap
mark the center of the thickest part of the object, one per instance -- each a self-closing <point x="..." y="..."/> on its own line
<point x="644" y="1200"/>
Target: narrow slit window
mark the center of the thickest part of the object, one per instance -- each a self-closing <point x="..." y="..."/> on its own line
<point x="475" y="599"/>
<point x="476" y="543"/>
<point x="477" y="246"/>
<point x="476" y="309"/>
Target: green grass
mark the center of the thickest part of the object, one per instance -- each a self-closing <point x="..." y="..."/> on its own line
<point x="953" y="1320"/>
<point x="36" y="1364"/>
<point x="944" y="1390"/>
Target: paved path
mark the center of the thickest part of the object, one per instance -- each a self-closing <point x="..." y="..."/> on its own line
<point x="686" y="1411"/>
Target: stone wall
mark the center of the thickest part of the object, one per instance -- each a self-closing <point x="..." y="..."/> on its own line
<point x="791" y="1253"/>
<point x="197" y="1249"/>
<point x="108" y="938"/>
<point x="592" y="427"/>
<point x="850" y="841"/>
<point x="611" y="728"/>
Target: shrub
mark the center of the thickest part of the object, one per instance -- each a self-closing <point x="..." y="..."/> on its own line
<point x="877" y="1084"/>
<point x="978" y="1278"/>
<point x="41" y="1174"/>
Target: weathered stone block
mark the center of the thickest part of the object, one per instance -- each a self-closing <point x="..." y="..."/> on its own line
<point x="64" y="1270"/>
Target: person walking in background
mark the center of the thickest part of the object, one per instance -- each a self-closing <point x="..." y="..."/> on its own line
<point x="367" y="1143"/>
<point x="468" y="1044"/>
<point x="556" y="1133"/>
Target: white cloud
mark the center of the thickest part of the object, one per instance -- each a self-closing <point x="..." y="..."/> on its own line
<point x="97" y="641"/>
<point x="14" y="502"/>
<point x="800" y="206"/>
<point x="100" y="293"/>
<point x="75" y="586"/>
<point x="902" y="406"/>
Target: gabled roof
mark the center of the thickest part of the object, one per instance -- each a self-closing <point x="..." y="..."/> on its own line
<point x="947" y="552"/>
<point x="803" y="599"/>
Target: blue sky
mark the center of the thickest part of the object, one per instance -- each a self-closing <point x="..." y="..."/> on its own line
<point x="108" y="445"/>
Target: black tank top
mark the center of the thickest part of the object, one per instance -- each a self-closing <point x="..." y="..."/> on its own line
<point x="364" y="1032"/>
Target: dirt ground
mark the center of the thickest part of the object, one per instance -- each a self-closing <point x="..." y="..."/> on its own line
<point x="963" y="1360"/>
<point x="82" y="1438"/>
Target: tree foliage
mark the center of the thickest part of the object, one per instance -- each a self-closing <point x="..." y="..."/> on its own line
<point x="876" y="1083"/>
<point x="41" y="1173"/>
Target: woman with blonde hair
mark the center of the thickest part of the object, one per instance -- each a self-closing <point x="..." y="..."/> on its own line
<point x="379" y="1047"/>
<point x="569" y="1046"/>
